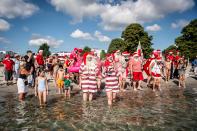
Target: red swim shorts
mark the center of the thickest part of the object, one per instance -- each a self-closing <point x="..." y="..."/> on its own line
<point x="137" y="76"/>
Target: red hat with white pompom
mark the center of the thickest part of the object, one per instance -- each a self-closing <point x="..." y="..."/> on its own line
<point x="126" y="53"/>
<point x="135" y="54"/>
<point x="85" y="56"/>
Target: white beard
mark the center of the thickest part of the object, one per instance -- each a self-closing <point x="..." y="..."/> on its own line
<point x="118" y="57"/>
<point x="90" y="64"/>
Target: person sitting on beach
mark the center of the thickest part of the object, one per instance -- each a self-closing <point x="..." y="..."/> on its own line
<point x="67" y="87"/>
<point x="8" y="69"/>
<point x="22" y="81"/>
<point x="181" y="70"/>
<point x="41" y="88"/>
<point x="60" y="79"/>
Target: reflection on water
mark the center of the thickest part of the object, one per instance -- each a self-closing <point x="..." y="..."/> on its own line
<point x="171" y="109"/>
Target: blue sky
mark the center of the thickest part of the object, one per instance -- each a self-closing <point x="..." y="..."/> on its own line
<point x="65" y="24"/>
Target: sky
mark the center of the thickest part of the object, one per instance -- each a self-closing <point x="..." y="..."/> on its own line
<point x="66" y="24"/>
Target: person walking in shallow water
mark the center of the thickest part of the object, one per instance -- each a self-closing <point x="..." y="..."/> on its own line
<point x="22" y="81"/>
<point x="8" y="69"/>
<point x="111" y="80"/>
<point x="41" y="88"/>
<point x="88" y="72"/>
<point x="181" y="70"/>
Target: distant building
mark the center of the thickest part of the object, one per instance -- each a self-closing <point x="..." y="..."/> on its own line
<point x="98" y="51"/>
<point x="62" y="53"/>
<point x="3" y="53"/>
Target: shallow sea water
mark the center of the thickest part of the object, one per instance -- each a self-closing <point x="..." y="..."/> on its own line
<point x="172" y="109"/>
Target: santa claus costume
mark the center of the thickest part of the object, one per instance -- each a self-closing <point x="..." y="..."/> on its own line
<point x="111" y="79"/>
<point x="135" y="66"/>
<point x="146" y="67"/>
<point x="97" y="62"/>
<point x="170" y="56"/>
<point x="176" y="62"/>
<point x="125" y="69"/>
<point x="88" y="73"/>
<point x="118" y="65"/>
<point x="156" y="72"/>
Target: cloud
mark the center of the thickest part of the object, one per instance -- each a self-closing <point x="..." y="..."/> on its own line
<point x="4" y="25"/>
<point x="101" y="37"/>
<point x="4" y="40"/>
<point x="116" y="15"/>
<point x="81" y="35"/>
<point x="26" y="29"/>
<point x="14" y="8"/>
<point x="154" y="27"/>
<point x="179" y="24"/>
<point x="38" y="40"/>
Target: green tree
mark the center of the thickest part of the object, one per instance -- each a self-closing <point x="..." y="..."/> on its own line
<point x="102" y="54"/>
<point x="116" y="44"/>
<point x="45" y="47"/>
<point x="187" y="42"/>
<point x="86" y="49"/>
<point x="135" y="33"/>
<point x="171" y="47"/>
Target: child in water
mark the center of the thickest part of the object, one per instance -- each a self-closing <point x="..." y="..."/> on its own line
<point x="60" y="79"/>
<point x="67" y="83"/>
<point x="41" y="88"/>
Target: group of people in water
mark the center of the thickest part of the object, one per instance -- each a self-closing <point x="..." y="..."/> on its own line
<point x="89" y="71"/>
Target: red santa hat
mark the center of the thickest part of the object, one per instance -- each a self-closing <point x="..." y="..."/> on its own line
<point x="159" y="51"/>
<point x="170" y="51"/>
<point x="135" y="54"/>
<point x="75" y="49"/>
<point x="108" y="56"/>
<point x="66" y="76"/>
<point x="85" y="55"/>
<point x="80" y="50"/>
<point x="126" y="53"/>
<point x="155" y="53"/>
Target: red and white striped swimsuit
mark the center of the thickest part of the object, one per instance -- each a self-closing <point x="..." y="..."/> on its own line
<point x="88" y="78"/>
<point x="111" y="82"/>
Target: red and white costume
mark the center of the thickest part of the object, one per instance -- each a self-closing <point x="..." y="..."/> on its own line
<point x="136" y="68"/>
<point x="88" y="72"/>
<point x="111" y="76"/>
<point x="156" y="69"/>
<point x="125" y="65"/>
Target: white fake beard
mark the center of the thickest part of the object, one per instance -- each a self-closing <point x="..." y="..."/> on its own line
<point x="118" y="57"/>
<point x="90" y="63"/>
